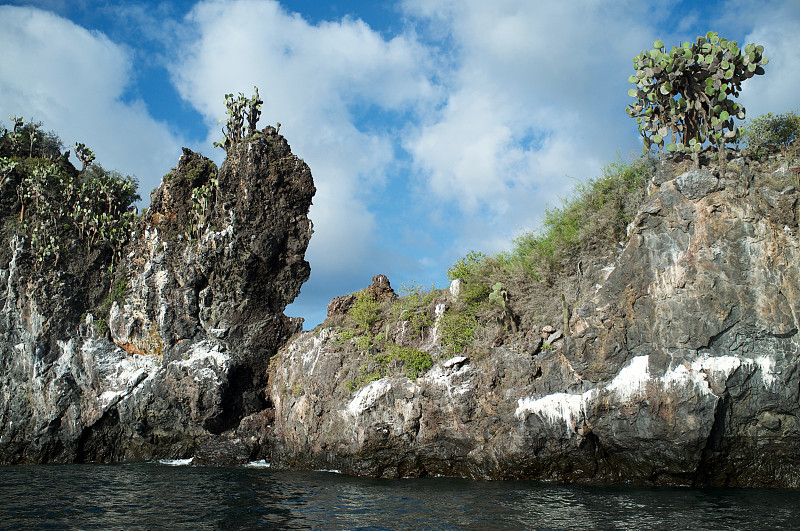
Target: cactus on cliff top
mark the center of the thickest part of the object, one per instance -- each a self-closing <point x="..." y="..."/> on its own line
<point x="239" y="110"/>
<point x="684" y="95"/>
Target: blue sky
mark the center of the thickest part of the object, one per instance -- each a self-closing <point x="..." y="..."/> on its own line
<point x="432" y="127"/>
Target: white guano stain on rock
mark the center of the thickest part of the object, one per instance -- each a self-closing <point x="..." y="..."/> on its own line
<point x="718" y="364"/>
<point x="556" y="408"/>
<point x="438" y="314"/>
<point x="456" y="286"/>
<point x="631" y="380"/>
<point x="682" y="376"/>
<point x="114" y="373"/>
<point x="368" y="395"/>
<point x="206" y="361"/>
<point x="570" y="407"/>
<point x="310" y="348"/>
<point x="443" y="376"/>
<point x="455" y="360"/>
<point x="767" y="367"/>
<point x="162" y="278"/>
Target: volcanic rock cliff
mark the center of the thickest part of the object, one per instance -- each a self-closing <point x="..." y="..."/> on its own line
<point x="678" y="367"/>
<point x="178" y="354"/>
<point x="672" y="359"/>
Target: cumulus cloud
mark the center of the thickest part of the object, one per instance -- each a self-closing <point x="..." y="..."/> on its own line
<point x="537" y="95"/>
<point x="318" y="80"/>
<point x="775" y="26"/>
<point x="73" y="80"/>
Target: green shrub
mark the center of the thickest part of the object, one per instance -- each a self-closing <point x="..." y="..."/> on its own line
<point x="473" y="293"/>
<point x="64" y="213"/>
<point x="201" y="171"/>
<point x="414" y="361"/>
<point x="595" y="216"/>
<point x="364" y="342"/>
<point x="419" y="322"/>
<point x="410" y="289"/>
<point x="364" y="312"/>
<point x="769" y="132"/>
<point x="467" y="267"/>
<point x="457" y="328"/>
<point x="413" y="307"/>
<point x="28" y="140"/>
<point x="411" y="361"/>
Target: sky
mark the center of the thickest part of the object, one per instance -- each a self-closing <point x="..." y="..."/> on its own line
<point x="431" y="127"/>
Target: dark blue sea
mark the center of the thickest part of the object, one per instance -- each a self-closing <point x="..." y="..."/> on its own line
<point x="164" y="496"/>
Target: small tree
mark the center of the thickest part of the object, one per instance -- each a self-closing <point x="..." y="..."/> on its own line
<point x="84" y="154"/>
<point x="253" y="112"/>
<point x="682" y="96"/>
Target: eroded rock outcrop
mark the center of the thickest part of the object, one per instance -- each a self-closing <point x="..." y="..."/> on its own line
<point x="196" y="312"/>
<point x="679" y="368"/>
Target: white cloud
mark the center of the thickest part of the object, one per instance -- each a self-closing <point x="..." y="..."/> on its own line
<point x="537" y="96"/>
<point x="73" y="80"/>
<point x="315" y="80"/>
<point x="776" y="29"/>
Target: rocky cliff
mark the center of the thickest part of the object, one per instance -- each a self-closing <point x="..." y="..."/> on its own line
<point x="173" y="356"/>
<point x="678" y="366"/>
<point x="671" y="360"/>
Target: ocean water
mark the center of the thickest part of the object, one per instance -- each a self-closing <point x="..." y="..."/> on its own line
<point x="165" y="496"/>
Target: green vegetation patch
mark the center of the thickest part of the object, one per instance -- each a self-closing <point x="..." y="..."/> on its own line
<point x="414" y="308"/>
<point x="457" y="328"/>
<point x="364" y="312"/>
<point x="63" y="213"/>
<point x="771" y="132"/>
<point x="596" y="216"/>
<point x="384" y="356"/>
<point x="468" y="267"/>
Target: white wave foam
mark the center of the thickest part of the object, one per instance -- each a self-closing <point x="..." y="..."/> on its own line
<point x="176" y="462"/>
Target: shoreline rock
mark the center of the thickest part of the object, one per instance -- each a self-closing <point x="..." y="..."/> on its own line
<point x="214" y="262"/>
<point x="679" y="370"/>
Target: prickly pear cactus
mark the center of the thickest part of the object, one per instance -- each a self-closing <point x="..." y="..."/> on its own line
<point x="684" y="95"/>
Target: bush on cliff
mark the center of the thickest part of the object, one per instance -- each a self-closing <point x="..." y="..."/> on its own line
<point x="521" y="288"/>
<point x="594" y="219"/>
<point x="684" y="95"/>
<point x="61" y="212"/>
<point x="770" y="132"/>
<point x="384" y="353"/>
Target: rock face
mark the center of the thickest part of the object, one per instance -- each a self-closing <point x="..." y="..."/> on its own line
<point x="195" y="313"/>
<point x="681" y="367"/>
